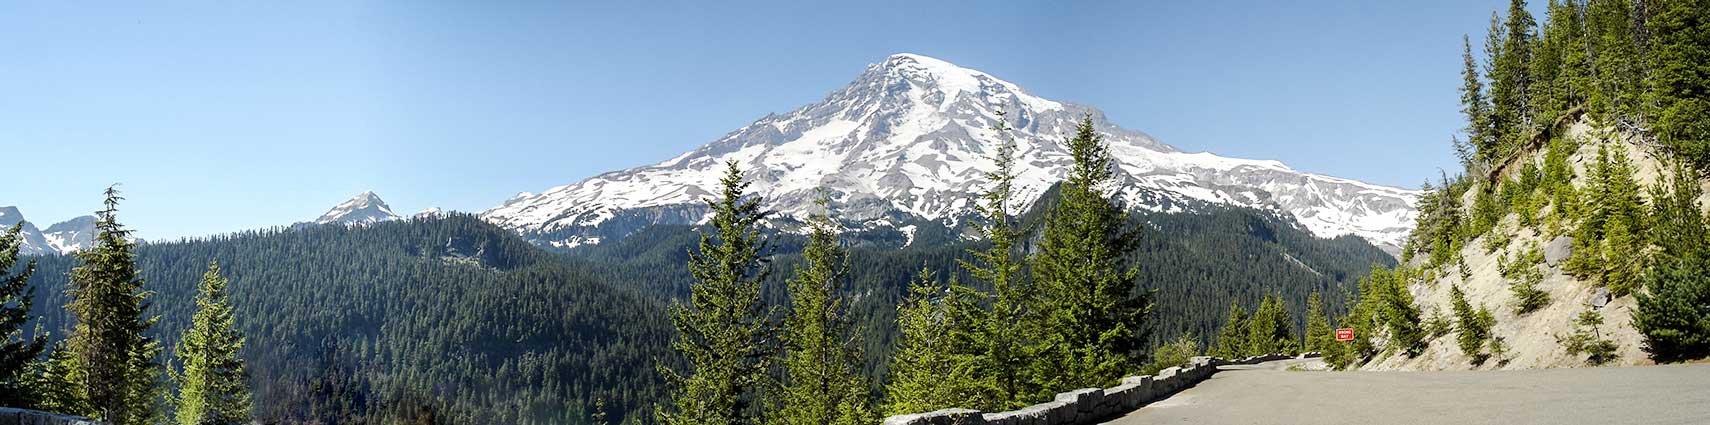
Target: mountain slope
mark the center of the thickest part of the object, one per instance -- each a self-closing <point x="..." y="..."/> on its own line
<point x="908" y="139"/>
<point x="451" y="318"/>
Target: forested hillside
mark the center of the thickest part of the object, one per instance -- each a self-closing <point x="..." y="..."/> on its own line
<point x="1197" y="263"/>
<point x="1576" y="232"/>
<point x="451" y="319"/>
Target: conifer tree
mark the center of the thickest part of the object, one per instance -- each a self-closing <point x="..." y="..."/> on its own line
<point x="17" y="354"/>
<point x="213" y="388"/>
<point x="1473" y="331"/>
<point x="726" y="331"/>
<point x="1673" y="313"/>
<point x="1087" y="286"/>
<point x="820" y="358"/>
<point x="926" y="371"/>
<point x="117" y="362"/>
<point x="1232" y="338"/>
<point x="1395" y="306"/>
<point x="1476" y="110"/>
<point x="1512" y="79"/>
<point x="998" y="332"/>
<point x="1270" y="329"/>
<point x="1615" y="62"/>
<point x="61" y="384"/>
<point x="1680" y="78"/>
<point x="1318" y="331"/>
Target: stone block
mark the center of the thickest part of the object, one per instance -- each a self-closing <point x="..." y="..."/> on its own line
<point x="1085" y="400"/>
<point x="1024" y="416"/>
<point x="939" y="417"/>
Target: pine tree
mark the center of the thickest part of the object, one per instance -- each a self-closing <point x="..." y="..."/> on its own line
<point x="1270" y="329"/>
<point x="213" y="388"/>
<point x="17" y="354"/>
<point x="61" y="385"/>
<point x="926" y="371"/>
<point x="1515" y="109"/>
<point x="726" y="332"/>
<point x="1680" y="78"/>
<point x="1318" y="331"/>
<point x="820" y="358"/>
<point x="117" y="361"/>
<point x="1476" y="109"/>
<point x="1232" y="338"/>
<point x="1673" y="314"/>
<point x="998" y="331"/>
<point x="1395" y="306"/>
<point x="1087" y="287"/>
<point x="1473" y="328"/>
<point x="1615" y="62"/>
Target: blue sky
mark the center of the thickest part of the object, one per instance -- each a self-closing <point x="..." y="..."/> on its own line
<point x="222" y="116"/>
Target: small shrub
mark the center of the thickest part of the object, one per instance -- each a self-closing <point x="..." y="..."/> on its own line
<point x="1587" y="339"/>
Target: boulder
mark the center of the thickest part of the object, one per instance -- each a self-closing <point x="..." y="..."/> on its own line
<point x="1558" y="249"/>
<point x="1600" y="298"/>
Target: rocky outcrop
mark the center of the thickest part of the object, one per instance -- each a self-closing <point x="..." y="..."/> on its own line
<point x="1091" y="405"/>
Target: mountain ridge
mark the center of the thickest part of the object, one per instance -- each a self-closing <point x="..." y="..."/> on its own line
<point x="908" y="139"/>
<point x="62" y="238"/>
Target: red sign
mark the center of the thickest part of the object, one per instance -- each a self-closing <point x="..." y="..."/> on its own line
<point x="1345" y="334"/>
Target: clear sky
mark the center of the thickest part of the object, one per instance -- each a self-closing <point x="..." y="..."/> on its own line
<point x="222" y="116"/>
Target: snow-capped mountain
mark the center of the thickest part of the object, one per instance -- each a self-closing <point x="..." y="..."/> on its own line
<point x="366" y="208"/>
<point x="909" y="138"/>
<point x="61" y="238"/>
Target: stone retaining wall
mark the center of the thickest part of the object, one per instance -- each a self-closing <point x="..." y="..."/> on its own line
<point x="36" y="417"/>
<point x="1091" y="405"/>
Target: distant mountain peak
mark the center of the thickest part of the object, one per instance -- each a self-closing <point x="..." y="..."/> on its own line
<point x="909" y="138"/>
<point x="61" y="238"/>
<point x="365" y="208"/>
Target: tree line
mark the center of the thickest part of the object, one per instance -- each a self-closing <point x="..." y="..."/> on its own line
<point x="109" y="368"/>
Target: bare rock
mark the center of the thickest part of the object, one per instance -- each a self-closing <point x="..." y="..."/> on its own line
<point x="1558" y="249"/>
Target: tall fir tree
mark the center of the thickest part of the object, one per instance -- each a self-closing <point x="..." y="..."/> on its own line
<point x="1476" y="109"/>
<point x="727" y="332"/>
<point x="1512" y="85"/>
<point x="1232" y="338"/>
<point x="1679" y="81"/>
<point x="824" y="382"/>
<point x="927" y="371"/>
<point x="118" y="362"/>
<point x="17" y="354"/>
<point x="999" y="331"/>
<point x="213" y="388"/>
<point x="1616" y="65"/>
<point x="1088" y="297"/>
<point x="1318" y="337"/>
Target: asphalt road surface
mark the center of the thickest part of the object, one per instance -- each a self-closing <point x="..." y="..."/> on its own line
<point x="1269" y="394"/>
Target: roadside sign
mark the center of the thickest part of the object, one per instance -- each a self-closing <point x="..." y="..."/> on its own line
<point x="1345" y="334"/>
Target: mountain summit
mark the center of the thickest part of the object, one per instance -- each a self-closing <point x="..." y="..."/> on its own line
<point x="61" y="238"/>
<point x="365" y="208"/>
<point x="909" y="138"/>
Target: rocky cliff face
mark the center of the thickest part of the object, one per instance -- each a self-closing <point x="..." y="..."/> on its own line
<point x="909" y="139"/>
